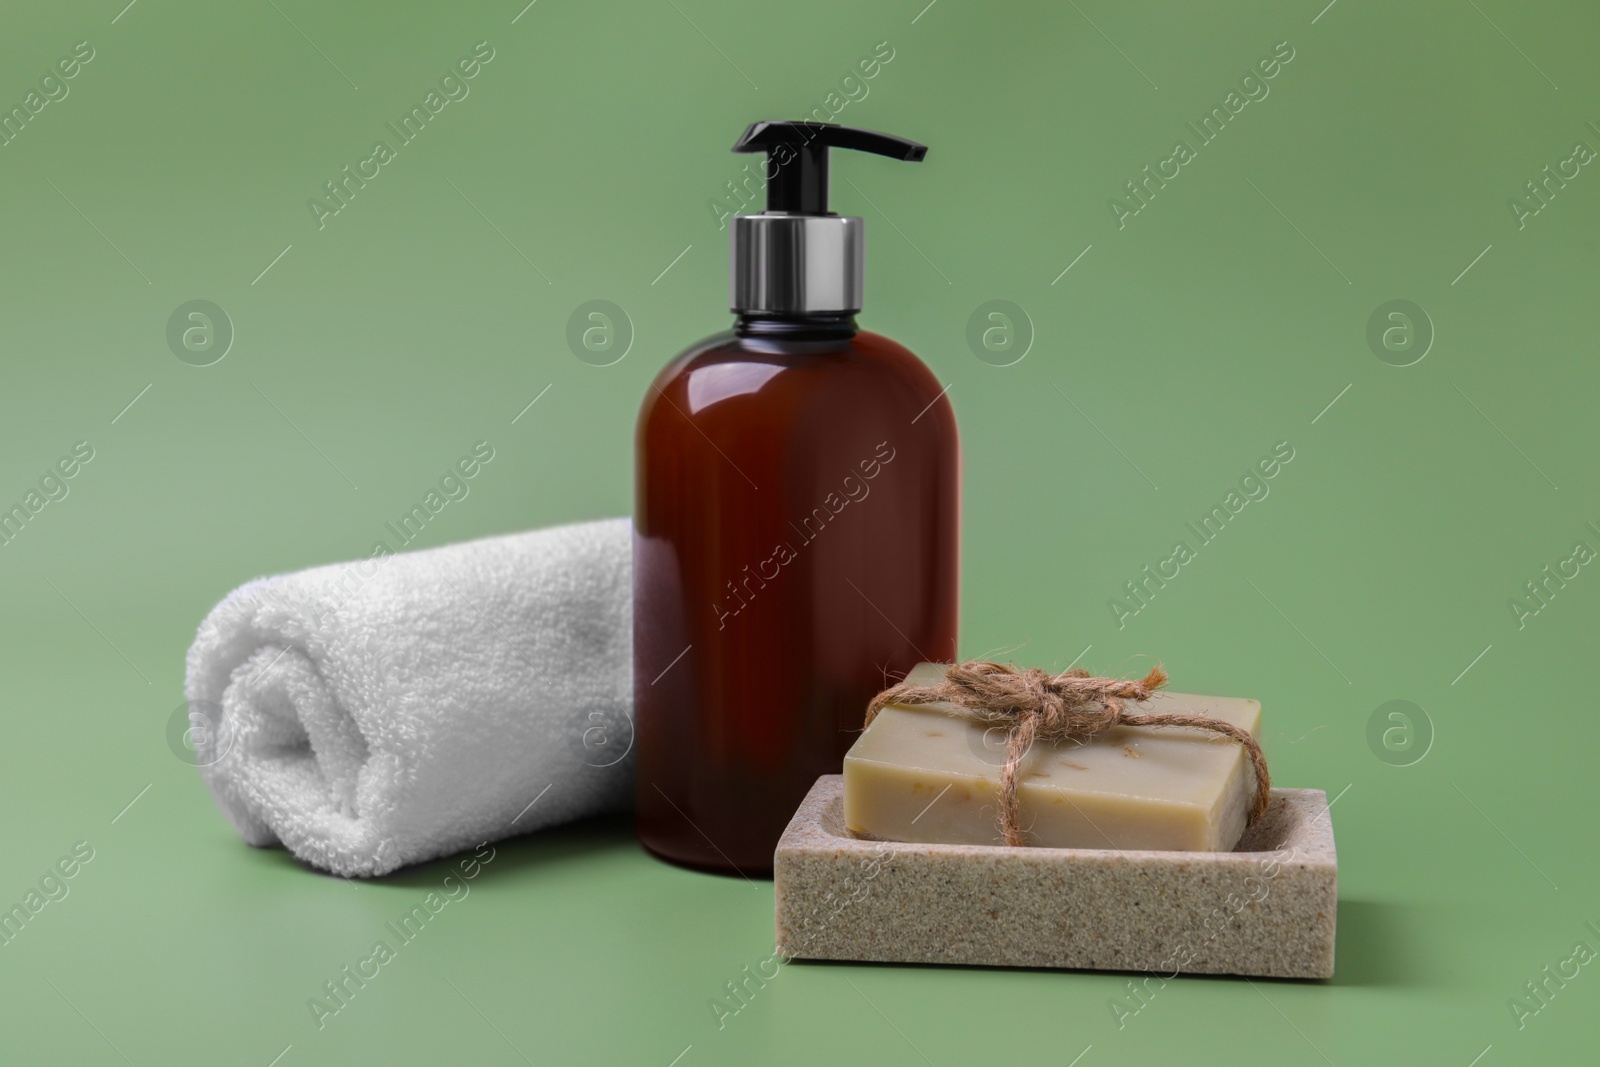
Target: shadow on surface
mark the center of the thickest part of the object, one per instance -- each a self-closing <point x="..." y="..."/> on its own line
<point x="587" y="837"/>
<point x="554" y="845"/>
<point x="957" y="968"/>
<point x="1373" y="947"/>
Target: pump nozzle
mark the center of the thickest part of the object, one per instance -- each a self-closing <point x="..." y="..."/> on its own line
<point x="797" y="257"/>
<point x="797" y="159"/>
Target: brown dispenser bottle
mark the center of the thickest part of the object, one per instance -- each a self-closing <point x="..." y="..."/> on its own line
<point x="796" y="526"/>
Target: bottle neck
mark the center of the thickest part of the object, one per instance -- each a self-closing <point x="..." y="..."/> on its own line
<point x="796" y="326"/>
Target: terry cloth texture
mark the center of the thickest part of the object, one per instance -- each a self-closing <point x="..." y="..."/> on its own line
<point x="373" y="714"/>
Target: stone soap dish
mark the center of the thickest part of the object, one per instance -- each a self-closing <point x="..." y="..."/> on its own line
<point x="1267" y="908"/>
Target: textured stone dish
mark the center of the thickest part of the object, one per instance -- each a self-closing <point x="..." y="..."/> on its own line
<point x="1267" y="908"/>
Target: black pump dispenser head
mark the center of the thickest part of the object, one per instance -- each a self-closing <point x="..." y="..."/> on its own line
<point x="797" y="257"/>
<point x="797" y="159"/>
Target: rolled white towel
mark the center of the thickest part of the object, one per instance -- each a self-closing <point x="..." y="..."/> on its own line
<point x="373" y="714"/>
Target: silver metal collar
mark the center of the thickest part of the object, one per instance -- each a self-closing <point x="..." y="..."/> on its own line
<point x="785" y="264"/>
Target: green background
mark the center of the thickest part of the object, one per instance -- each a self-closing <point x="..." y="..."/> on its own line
<point x="1223" y="318"/>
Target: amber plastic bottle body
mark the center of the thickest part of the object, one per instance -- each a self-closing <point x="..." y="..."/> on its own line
<point x="796" y="549"/>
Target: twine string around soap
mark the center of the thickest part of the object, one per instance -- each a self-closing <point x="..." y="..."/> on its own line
<point x="1033" y="705"/>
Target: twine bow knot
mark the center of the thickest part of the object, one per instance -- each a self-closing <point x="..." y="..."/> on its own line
<point x="1033" y="705"/>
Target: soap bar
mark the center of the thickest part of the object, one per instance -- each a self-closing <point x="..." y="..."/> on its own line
<point x="928" y="773"/>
